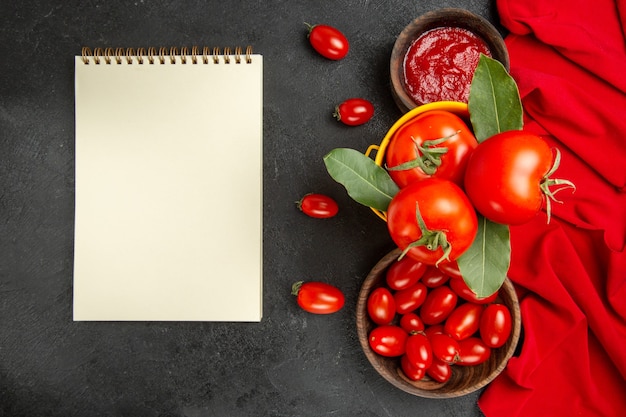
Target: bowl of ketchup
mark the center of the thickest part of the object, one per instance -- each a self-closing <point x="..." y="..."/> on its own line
<point x="435" y="56"/>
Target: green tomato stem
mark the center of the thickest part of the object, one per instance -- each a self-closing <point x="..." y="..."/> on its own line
<point x="431" y="239"/>
<point x="547" y="182"/>
<point x="429" y="158"/>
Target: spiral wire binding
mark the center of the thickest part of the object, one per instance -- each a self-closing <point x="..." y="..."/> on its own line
<point x="172" y="55"/>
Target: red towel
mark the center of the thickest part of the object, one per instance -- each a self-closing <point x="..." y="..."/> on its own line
<point x="569" y="60"/>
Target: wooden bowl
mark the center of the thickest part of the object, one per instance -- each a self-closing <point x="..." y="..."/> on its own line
<point x="464" y="379"/>
<point x="446" y="17"/>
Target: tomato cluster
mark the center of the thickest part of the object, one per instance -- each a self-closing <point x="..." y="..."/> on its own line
<point x="432" y="321"/>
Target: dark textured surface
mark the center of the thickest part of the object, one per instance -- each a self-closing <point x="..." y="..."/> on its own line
<point x="290" y="364"/>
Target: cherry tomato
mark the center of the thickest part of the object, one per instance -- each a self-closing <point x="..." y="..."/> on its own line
<point x="354" y="111"/>
<point x="473" y="351"/>
<point x="418" y="351"/>
<point x="451" y="269"/>
<point x="388" y="340"/>
<point x="434" y="277"/>
<point x="434" y="144"/>
<point x="381" y="306"/>
<point x="495" y="325"/>
<point x="464" y="321"/>
<point x="439" y="303"/>
<point x="319" y="206"/>
<point x="507" y="177"/>
<point x="410" y="299"/>
<point x="445" y="348"/>
<point x="432" y="220"/>
<point x="328" y="41"/>
<point x="410" y="371"/>
<point x="432" y="330"/>
<point x="439" y="371"/>
<point x="412" y="323"/>
<point x="318" y="297"/>
<point x="404" y="273"/>
<point x="460" y="287"/>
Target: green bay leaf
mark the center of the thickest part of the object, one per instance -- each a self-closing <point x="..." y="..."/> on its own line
<point x="365" y="182"/>
<point x="494" y="101"/>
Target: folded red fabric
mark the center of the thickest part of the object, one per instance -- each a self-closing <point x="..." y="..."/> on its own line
<point x="568" y="57"/>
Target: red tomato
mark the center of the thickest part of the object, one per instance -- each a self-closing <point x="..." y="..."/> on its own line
<point x="354" y="111"/>
<point x="434" y="144"/>
<point x="388" y="340"/>
<point x="412" y="323"/>
<point x="418" y="351"/>
<point x="318" y="297"/>
<point x="495" y="325"/>
<point x="381" y="306"/>
<point x="439" y="303"/>
<point x="507" y="177"/>
<point x="439" y="371"/>
<point x="434" y="277"/>
<point x="328" y="41"/>
<point x="404" y="273"/>
<point x="410" y="299"/>
<point x="464" y="321"/>
<point x="432" y="220"/>
<point x="450" y="268"/>
<point x="318" y="205"/>
<point x="410" y="371"/>
<point x="473" y="351"/>
<point x="445" y="348"/>
<point x="460" y="287"/>
<point x="435" y="329"/>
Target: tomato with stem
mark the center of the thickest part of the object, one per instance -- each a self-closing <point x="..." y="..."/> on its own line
<point x="328" y="41"/>
<point x="318" y="297"/>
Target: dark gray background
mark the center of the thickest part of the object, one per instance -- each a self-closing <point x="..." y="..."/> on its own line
<point x="292" y="363"/>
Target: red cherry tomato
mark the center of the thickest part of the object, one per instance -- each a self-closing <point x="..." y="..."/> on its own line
<point x="434" y="277"/>
<point x="381" y="306"/>
<point x="432" y="220"/>
<point x="473" y="351"/>
<point x="328" y="41"/>
<point x="410" y="299"/>
<point x="432" y="330"/>
<point x="388" y="340"/>
<point x="412" y="323"/>
<point x="445" y="348"/>
<point x="464" y="321"/>
<point x="354" y="111"/>
<point x="507" y="177"/>
<point x="404" y="273"/>
<point x="418" y="351"/>
<point x="435" y="144"/>
<point x="410" y="371"/>
<point x="439" y="371"/>
<point x="451" y="269"/>
<point x="439" y="303"/>
<point x="460" y="287"/>
<point x="318" y="297"/>
<point x="319" y="206"/>
<point x="495" y="325"/>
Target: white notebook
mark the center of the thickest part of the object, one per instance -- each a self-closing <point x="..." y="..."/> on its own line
<point x="168" y="215"/>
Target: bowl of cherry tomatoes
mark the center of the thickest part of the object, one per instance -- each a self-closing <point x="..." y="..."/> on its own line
<point x="425" y="331"/>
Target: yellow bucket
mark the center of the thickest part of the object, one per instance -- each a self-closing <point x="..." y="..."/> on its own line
<point x="458" y="108"/>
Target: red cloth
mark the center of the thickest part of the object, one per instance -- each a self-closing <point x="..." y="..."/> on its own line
<point x="568" y="58"/>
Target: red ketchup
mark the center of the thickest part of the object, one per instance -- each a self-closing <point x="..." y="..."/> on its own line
<point x="440" y="64"/>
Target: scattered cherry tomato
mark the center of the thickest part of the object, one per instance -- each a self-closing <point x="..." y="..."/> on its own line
<point x="507" y="177"/>
<point x="432" y="220"/>
<point x="381" y="306"/>
<point x="434" y="277"/>
<point x="328" y="41"/>
<point x="318" y="297"/>
<point x="354" y="111"/>
<point x="445" y="348"/>
<point x="495" y="325"/>
<point x="439" y="371"/>
<point x="438" y="305"/>
<point x="435" y="144"/>
<point x="464" y="321"/>
<point x="388" y="340"/>
<point x="460" y="287"/>
<point x="404" y="273"/>
<point x="410" y="299"/>
<point x="412" y="323"/>
<point x="418" y="351"/>
<point x="319" y="206"/>
<point x="410" y="371"/>
<point x="473" y="351"/>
